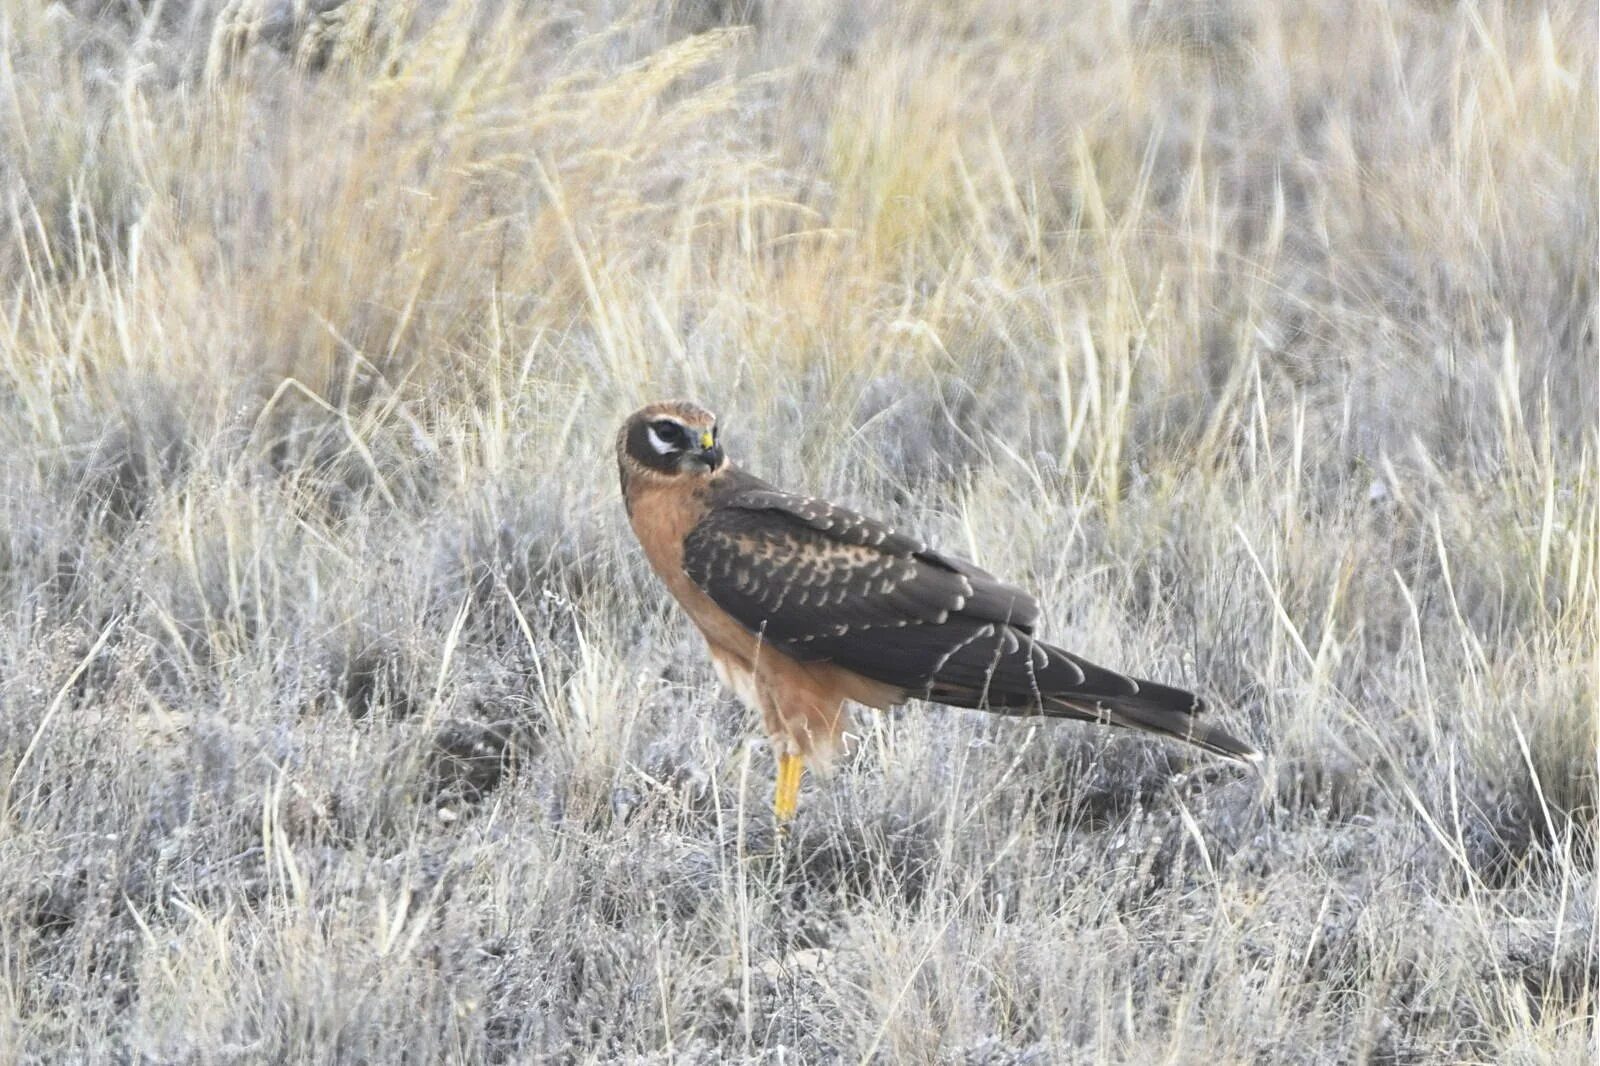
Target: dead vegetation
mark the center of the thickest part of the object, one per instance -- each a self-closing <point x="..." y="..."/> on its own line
<point x="340" y="723"/>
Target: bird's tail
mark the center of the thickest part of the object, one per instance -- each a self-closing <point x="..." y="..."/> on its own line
<point x="1159" y="709"/>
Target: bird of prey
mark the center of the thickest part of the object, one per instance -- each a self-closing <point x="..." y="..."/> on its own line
<point x="807" y="606"/>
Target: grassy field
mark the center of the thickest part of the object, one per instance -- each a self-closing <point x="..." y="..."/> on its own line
<point x="341" y="721"/>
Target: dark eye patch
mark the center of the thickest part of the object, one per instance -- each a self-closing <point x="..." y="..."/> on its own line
<point x="670" y="432"/>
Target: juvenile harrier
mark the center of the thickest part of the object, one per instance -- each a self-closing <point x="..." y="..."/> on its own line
<point x="806" y="605"/>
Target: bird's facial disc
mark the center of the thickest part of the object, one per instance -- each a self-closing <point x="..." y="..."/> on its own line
<point x="671" y="445"/>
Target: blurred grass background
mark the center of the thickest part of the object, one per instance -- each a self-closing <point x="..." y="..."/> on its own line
<point x="340" y="721"/>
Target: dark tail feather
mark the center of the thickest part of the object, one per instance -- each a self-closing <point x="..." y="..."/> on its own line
<point x="1163" y="710"/>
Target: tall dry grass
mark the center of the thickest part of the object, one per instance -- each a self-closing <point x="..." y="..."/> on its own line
<point x="340" y="722"/>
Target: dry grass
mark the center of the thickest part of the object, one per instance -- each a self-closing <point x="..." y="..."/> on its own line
<point x="339" y="722"/>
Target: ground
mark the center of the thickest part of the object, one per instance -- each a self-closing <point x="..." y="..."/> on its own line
<point x="341" y="722"/>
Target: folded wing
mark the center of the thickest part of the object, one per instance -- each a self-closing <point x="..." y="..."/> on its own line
<point x="825" y="584"/>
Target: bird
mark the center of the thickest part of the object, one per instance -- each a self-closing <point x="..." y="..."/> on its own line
<point x="807" y="606"/>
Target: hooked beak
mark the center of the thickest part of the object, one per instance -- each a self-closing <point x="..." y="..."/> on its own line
<point x="710" y="453"/>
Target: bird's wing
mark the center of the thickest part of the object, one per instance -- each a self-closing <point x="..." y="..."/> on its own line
<point x="823" y="583"/>
<point x="982" y="594"/>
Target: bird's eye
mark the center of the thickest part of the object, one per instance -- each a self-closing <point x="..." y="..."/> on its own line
<point x="667" y="436"/>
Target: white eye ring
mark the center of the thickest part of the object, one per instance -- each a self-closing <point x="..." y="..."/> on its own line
<point x="661" y="446"/>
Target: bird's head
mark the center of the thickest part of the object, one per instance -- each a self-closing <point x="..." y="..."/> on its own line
<point x="663" y="441"/>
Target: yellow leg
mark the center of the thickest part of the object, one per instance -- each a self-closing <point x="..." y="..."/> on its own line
<point x="787" y="800"/>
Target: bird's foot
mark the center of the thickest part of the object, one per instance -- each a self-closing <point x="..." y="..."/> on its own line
<point x="787" y="799"/>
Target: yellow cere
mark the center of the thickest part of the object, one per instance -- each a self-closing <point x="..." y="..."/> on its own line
<point x="706" y="439"/>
